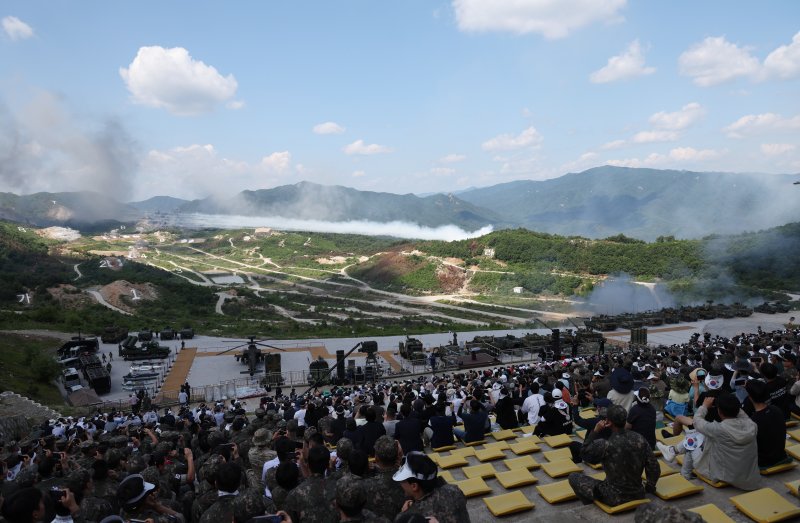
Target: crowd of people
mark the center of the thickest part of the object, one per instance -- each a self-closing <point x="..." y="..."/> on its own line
<point x="358" y="453"/>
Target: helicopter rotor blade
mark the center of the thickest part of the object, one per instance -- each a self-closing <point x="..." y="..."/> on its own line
<point x="232" y="348"/>
<point x="270" y="346"/>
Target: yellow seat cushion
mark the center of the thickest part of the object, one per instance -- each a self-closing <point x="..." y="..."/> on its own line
<point x="446" y="447"/>
<point x="434" y="456"/>
<point x="675" y="486"/>
<point x="775" y="469"/>
<point x="475" y="443"/>
<point x="794" y="451"/>
<point x="473" y="487"/>
<point x="715" y="484"/>
<point x="594" y="466"/>
<point x="599" y="476"/>
<point x="669" y="416"/>
<point x="793" y="486"/>
<point x="557" y="469"/>
<point x="557" y="455"/>
<point x="795" y="434"/>
<point x="484" y="470"/>
<point x="447" y="476"/>
<point x="502" y="445"/>
<point x="666" y="470"/>
<point x="489" y="454"/>
<point x="765" y="506"/>
<point x="588" y="413"/>
<point x="528" y="429"/>
<point x="558" y="441"/>
<point x="581" y="433"/>
<point x="524" y="446"/>
<point x="510" y="503"/>
<point x="795" y="416"/>
<point x="792" y="423"/>
<point x="712" y="514"/>
<point x="515" y="478"/>
<point x="557" y="492"/>
<point x="504" y="435"/>
<point x="464" y="451"/>
<point x="452" y="461"/>
<point x="524" y="462"/>
<point x="622" y="507"/>
<point x="679" y="459"/>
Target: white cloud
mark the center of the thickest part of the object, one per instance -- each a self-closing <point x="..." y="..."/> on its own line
<point x="16" y="29"/>
<point x="358" y="174"/>
<point x="690" y="154"/>
<point x="629" y="64"/>
<point x="235" y="105"/>
<point x="442" y="171"/>
<point x="715" y="60"/>
<point x="277" y="162"/>
<point x="654" y="136"/>
<point x="507" y="142"/>
<point x="550" y="18"/>
<point x="760" y="124"/>
<point x="677" y="156"/>
<point x="360" y="148"/>
<point x="614" y="144"/>
<point x="679" y="120"/>
<point x="784" y="62"/>
<point x="452" y="158"/>
<point x="777" y="149"/>
<point x="171" y="79"/>
<point x="328" y="128"/>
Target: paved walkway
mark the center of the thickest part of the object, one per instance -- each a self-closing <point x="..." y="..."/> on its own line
<point x="180" y="370"/>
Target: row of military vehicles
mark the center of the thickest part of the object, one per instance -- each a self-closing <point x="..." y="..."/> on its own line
<point x="672" y="315"/>
<point x="78" y="358"/>
<point x="115" y="334"/>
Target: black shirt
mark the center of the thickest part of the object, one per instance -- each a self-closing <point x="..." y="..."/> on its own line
<point x="771" y="437"/>
<point x="642" y="418"/>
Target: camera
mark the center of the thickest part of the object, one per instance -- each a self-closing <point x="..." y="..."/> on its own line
<point x="56" y="495"/>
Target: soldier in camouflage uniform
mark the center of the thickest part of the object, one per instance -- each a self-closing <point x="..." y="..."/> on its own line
<point x="206" y="492"/>
<point x="93" y="508"/>
<point x="261" y="452"/>
<point x="350" y="501"/>
<point x="231" y="503"/>
<point x="259" y="423"/>
<point x="384" y="496"/>
<point x="624" y="456"/>
<point x="428" y="494"/>
<point x="343" y="450"/>
<point x="312" y="500"/>
<point x="139" y="501"/>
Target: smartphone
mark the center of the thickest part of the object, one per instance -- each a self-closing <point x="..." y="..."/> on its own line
<point x="756" y="360"/>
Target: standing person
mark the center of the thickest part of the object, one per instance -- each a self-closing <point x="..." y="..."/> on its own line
<point x="111" y="356"/>
<point x="601" y="348"/>
<point x="183" y="398"/>
<point x="625" y="455"/>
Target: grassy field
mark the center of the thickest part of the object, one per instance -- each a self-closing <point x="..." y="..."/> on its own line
<point x="21" y="367"/>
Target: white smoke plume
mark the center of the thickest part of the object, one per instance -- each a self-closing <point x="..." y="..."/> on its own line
<point x="395" y="229"/>
<point x="621" y="293"/>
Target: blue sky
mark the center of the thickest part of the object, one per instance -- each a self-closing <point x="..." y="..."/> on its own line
<point x="191" y="98"/>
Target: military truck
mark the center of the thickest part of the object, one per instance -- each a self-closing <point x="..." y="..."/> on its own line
<point x="70" y="351"/>
<point x="71" y="379"/>
<point x="147" y="350"/>
<point x="145" y="334"/>
<point x="167" y="333"/>
<point x="95" y="374"/>
<point x="114" y="334"/>
<point x="187" y="333"/>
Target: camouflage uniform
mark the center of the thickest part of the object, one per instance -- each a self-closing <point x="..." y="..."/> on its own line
<point x="312" y="501"/>
<point x="446" y="503"/>
<point x="143" y="513"/>
<point x="384" y="495"/>
<point x="241" y="508"/>
<point x="260" y="452"/>
<point x="107" y="489"/>
<point x="624" y="455"/>
<point x="95" y="509"/>
<point x="350" y="493"/>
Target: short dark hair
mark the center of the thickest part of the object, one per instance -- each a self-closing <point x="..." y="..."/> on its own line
<point x="318" y="459"/>
<point x="287" y="475"/>
<point x="728" y="405"/>
<point x="358" y="462"/>
<point x="757" y="390"/>
<point x="229" y="477"/>
<point x="768" y="370"/>
<point x="20" y="506"/>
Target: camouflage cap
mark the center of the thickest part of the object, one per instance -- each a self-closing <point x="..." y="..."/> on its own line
<point x="77" y="480"/>
<point x="617" y="415"/>
<point x="260" y="413"/>
<point x="344" y="448"/>
<point x="262" y="437"/>
<point x="282" y="424"/>
<point x="151" y="475"/>
<point x="215" y="438"/>
<point x="170" y="435"/>
<point x="386" y="449"/>
<point x="350" y="493"/>
<point x="272" y="414"/>
<point x="27" y="477"/>
<point x="136" y="463"/>
<point x="119" y="441"/>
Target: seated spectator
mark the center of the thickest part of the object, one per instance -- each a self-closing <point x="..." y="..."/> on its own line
<point x="621" y="388"/>
<point x="25" y="506"/>
<point x="474" y="422"/>
<point x="385" y="497"/>
<point x="370" y="431"/>
<point x="408" y="431"/>
<point x="440" y="431"/>
<point x="504" y="409"/>
<point x="556" y="417"/>
<point x="731" y="451"/>
<point x="625" y="456"/>
<point x="678" y="397"/>
<point x="642" y="417"/>
<point x="427" y="493"/>
<point x="771" y="426"/>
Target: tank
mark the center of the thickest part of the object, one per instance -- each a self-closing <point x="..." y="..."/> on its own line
<point x="187" y="333"/>
<point x="147" y="350"/>
<point x="411" y="349"/>
<point x="114" y="334"/>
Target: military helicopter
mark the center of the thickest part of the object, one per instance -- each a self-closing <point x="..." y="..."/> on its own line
<point x="251" y="355"/>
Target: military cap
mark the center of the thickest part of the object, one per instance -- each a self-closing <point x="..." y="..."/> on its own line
<point x="617" y="415"/>
<point x="215" y="438"/>
<point x="282" y="424"/>
<point x="27" y="477"/>
<point x="262" y="437"/>
<point x="272" y="414"/>
<point x="228" y="417"/>
<point x="350" y="493"/>
<point x="260" y="413"/>
<point x="385" y="449"/>
<point x="209" y="469"/>
<point x="136" y="463"/>
<point x="151" y="475"/>
<point x="119" y="441"/>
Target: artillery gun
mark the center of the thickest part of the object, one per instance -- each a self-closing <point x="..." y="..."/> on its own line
<point x="70" y="351"/>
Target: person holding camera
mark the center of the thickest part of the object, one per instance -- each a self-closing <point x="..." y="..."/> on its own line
<point x="139" y="500"/>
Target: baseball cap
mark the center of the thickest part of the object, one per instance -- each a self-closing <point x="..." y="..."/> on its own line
<point x="133" y="488"/>
<point x="407" y="471"/>
<point x="557" y="394"/>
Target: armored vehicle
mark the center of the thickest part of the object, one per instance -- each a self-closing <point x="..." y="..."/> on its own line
<point x="71" y="380"/>
<point x="114" y="334"/>
<point x="145" y="334"/>
<point x="187" y="333"/>
<point x="95" y="374"/>
<point x="147" y="350"/>
<point x="167" y="333"/>
<point x="411" y="349"/>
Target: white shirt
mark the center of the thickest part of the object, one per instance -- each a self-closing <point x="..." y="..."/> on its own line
<point x="531" y="407"/>
<point x="182" y="397"/>
<point x="268" y="465"/>
<point x="300" y="416"/>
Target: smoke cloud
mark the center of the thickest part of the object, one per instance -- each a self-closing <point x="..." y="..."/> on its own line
<point x="621" y="293"/>
<point x="395" y="229"/>
<point x="44" y="147"/>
